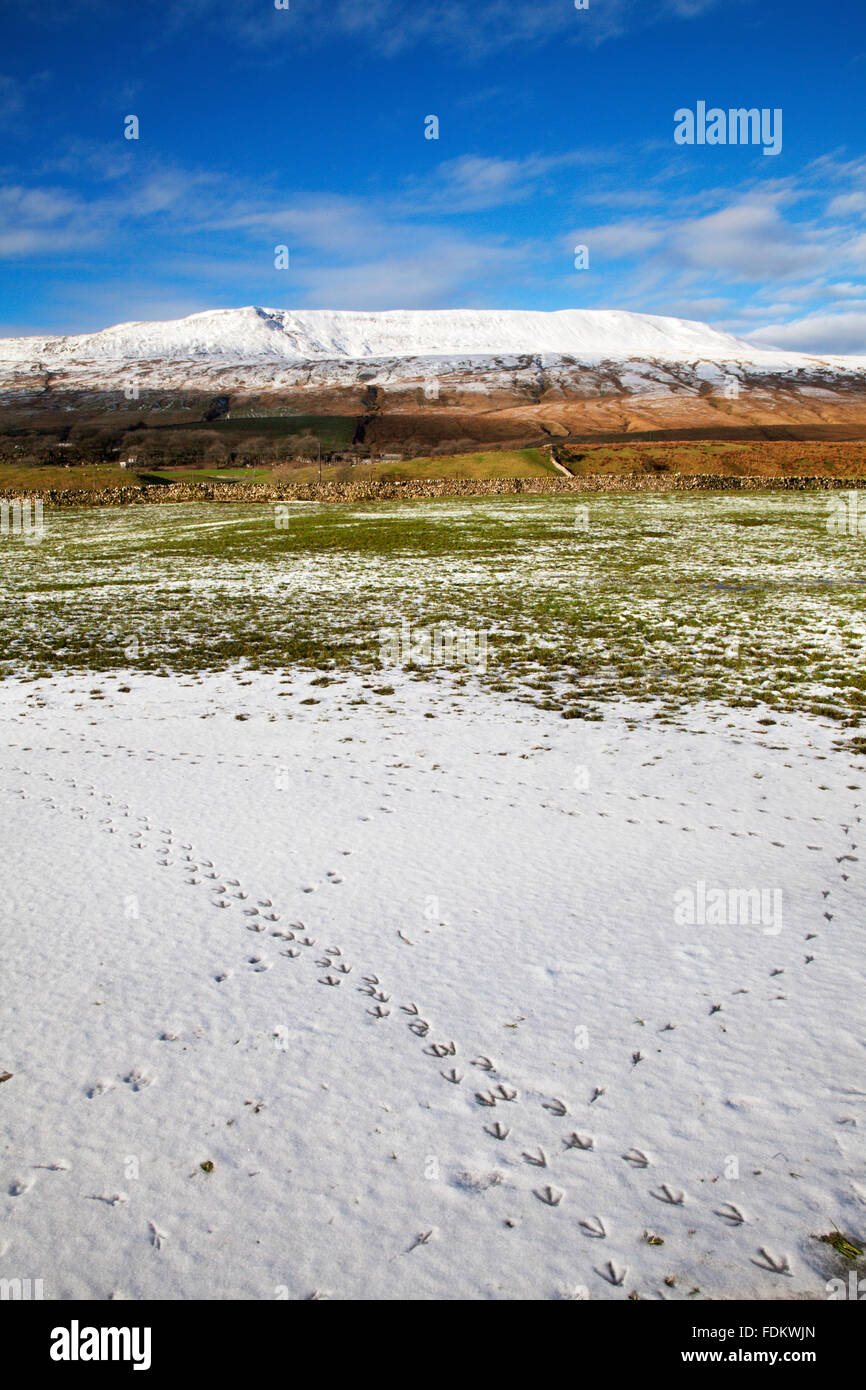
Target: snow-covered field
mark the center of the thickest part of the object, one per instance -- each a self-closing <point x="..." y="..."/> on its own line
<point x="421" y="992"/>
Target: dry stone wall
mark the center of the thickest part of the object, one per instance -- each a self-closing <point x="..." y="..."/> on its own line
<point x="363" y="491"/>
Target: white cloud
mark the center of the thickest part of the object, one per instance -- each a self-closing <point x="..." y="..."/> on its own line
<point x="749" y="241"/>
<point x="847" y="289"/>
<point x="331" y="222"/>
<point x="819" y="333"/>
<point x="38" y="220"/>
<point x="620" y="239"/>
<point x="854" y="251"/>
<point x="438" y="275"/>
<point x="847" y="203"/>
<point x="695" y="308"/>
<point x="472" y="183"/>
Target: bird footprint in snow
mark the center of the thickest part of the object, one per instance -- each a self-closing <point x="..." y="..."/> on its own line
<point x="157" y="1237"/>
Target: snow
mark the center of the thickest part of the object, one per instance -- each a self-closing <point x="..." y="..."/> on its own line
<point x="509" y="874"/>
<point x="267" y="340"/>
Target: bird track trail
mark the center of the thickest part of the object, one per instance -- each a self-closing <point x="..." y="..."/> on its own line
<point x="274" y="937"/>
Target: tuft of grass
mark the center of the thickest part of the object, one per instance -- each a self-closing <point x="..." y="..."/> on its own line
<point x="841" y="1245"/>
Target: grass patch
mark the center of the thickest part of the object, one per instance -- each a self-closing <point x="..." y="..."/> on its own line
<point x="842" y="1245"/>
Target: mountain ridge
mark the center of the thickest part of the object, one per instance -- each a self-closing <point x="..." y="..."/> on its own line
<point x="431" y="379"/>
<point x="283" y="336"/>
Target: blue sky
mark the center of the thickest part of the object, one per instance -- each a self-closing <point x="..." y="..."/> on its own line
<point x="305" y="127"/>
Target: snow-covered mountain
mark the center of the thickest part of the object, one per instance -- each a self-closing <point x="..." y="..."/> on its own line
<point x="270" y="336"/>
<point x="253" y="334"/>
<point x="572" y="352"/>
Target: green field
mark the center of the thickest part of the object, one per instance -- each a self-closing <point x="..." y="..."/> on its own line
<point x="504" y="463"/>
<point x="215" y="475"/>
<point x="671" y="598"/>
